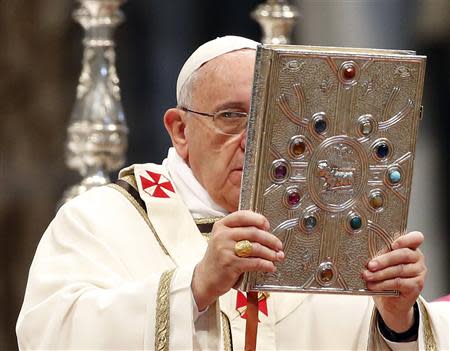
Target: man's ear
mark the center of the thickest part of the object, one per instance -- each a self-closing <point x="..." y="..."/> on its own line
<point x="175" y="124"/>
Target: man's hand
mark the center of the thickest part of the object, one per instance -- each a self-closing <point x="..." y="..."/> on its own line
<point x="220" y="268"/>
<point x="401" y="269"/>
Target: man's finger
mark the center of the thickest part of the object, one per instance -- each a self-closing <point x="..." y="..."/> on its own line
<point x="256" y="264"/>
<point x="244" y="219"/>
<point x="411" y="240"/>
<point x="261" y="251"/>
<point x="256" y="235"/>
<point x="394" y="258"/>
<point x="403" y="285"/>
<point x="401" y="270"/>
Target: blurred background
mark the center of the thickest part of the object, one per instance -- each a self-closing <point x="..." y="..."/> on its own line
<point x="40" y="62"/>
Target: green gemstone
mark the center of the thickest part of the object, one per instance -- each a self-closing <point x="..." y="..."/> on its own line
<point x="355" y="222"/>
<point x="310" y="222"/>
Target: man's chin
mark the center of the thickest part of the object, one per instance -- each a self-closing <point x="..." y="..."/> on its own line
<point x="230" y="199"/>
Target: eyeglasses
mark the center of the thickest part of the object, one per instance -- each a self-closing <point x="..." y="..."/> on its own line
<point x="228" y="122"/>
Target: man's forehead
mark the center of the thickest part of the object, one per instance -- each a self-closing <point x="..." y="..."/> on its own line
<point x="234" y="60"/>
<point x="208" y="52"/>
<point x="220" y="83"/>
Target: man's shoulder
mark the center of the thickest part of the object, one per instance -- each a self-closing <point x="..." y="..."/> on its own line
<point x="98" y="204"/>
<point x="130" y="170"/>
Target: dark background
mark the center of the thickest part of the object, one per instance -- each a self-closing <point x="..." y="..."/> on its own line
<point x="40" y="61"/>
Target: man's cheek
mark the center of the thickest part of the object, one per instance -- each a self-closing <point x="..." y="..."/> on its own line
<point x="235" y="178"/>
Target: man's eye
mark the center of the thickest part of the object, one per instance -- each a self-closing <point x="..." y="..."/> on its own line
<point x="227" y="114"/>
<point x="230" y="114"/>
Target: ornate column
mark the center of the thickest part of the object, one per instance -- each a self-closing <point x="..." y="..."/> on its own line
<point x="276" y="18"/>
<point x="97" y="133"/>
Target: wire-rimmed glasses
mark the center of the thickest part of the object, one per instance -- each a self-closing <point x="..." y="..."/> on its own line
<point x="227" y="121"/>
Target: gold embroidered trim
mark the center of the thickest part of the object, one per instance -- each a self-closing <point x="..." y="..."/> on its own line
<point x="130" y="179"/>
<point x="207" y="236"/>
<point x="142" y="213"/>
<point x="207" y="220"/>
<point x="429" y="340"/>
<point x="162" y="324"/>
<point x="127" y="173"/>
<point x="226" y="330"/>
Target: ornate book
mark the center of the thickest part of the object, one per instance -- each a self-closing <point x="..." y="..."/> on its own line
<point x="329" y="160"/>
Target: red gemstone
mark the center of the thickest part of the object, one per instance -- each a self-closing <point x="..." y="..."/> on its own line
<point x="349" y="72"/>
<point x="293" y="198"/>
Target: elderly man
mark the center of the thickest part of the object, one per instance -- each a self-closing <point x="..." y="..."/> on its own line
<point x="126" y="267"/>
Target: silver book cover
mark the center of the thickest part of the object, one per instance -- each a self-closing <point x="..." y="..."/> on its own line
<point x="329" y="160"/>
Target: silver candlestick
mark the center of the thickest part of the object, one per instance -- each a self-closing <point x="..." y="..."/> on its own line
<point x="276" y="18"/>
<point x="97" y="133"/>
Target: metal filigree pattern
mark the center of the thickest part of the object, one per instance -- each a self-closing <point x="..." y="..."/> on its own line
<point x="329" y="159"/>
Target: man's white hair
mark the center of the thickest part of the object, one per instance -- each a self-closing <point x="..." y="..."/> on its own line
<point x="206" y="52"/>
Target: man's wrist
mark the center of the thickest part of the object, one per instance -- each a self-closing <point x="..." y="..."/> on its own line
<point x="407" y="336"/>
<point x="201" y="294"/>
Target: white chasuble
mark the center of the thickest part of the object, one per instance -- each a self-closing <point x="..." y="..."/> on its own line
<point x="109" y="275"/>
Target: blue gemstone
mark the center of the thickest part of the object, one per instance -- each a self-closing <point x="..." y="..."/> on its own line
<point x="382" y="150"/>
<point x="355" y="222"/>
<point x="395" y="176"/>
<point x="320" y="126"/>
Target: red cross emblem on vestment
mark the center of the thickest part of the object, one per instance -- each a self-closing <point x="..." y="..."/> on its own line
<point x="157" y="185"/>
<point x="241" y="303"/>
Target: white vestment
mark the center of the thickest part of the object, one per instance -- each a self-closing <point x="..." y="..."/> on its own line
<point x="108" y="275"/>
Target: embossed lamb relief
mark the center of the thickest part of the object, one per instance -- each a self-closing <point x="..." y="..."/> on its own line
<point x="329" y="159"/>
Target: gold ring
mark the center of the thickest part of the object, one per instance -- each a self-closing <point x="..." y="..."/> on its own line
<point x="243" y="248"/>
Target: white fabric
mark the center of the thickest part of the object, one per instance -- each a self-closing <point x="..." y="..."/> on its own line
<point x="208" y="51"/>
<point x="94" y="280"/>
<point x="196" y="198"/>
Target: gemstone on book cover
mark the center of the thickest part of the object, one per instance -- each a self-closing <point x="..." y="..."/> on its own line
<point x="355" y="222"/>
<point x="348" y="72"/>
<point x="292" y="197"/>
<point x="297" y="146"/>
<point x="382" y="150"/>
<point x="320" y="126"/>
<point x="310" y="222"/>
<point x="279" y="171"/>
<point x="376" y="200"/>
<point x="366" y="127"/>
<point x="319" y="122"/>
<point x="326" y="274"/>
<point x="394" y="175"/>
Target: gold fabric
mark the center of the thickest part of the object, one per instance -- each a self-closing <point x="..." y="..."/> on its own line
<point x="226" y="330"/>
<point x="207" y="220"/>
<point x="162" y="324"/>
<point x="430" y="341"/>
<point x="130" y="179"/>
